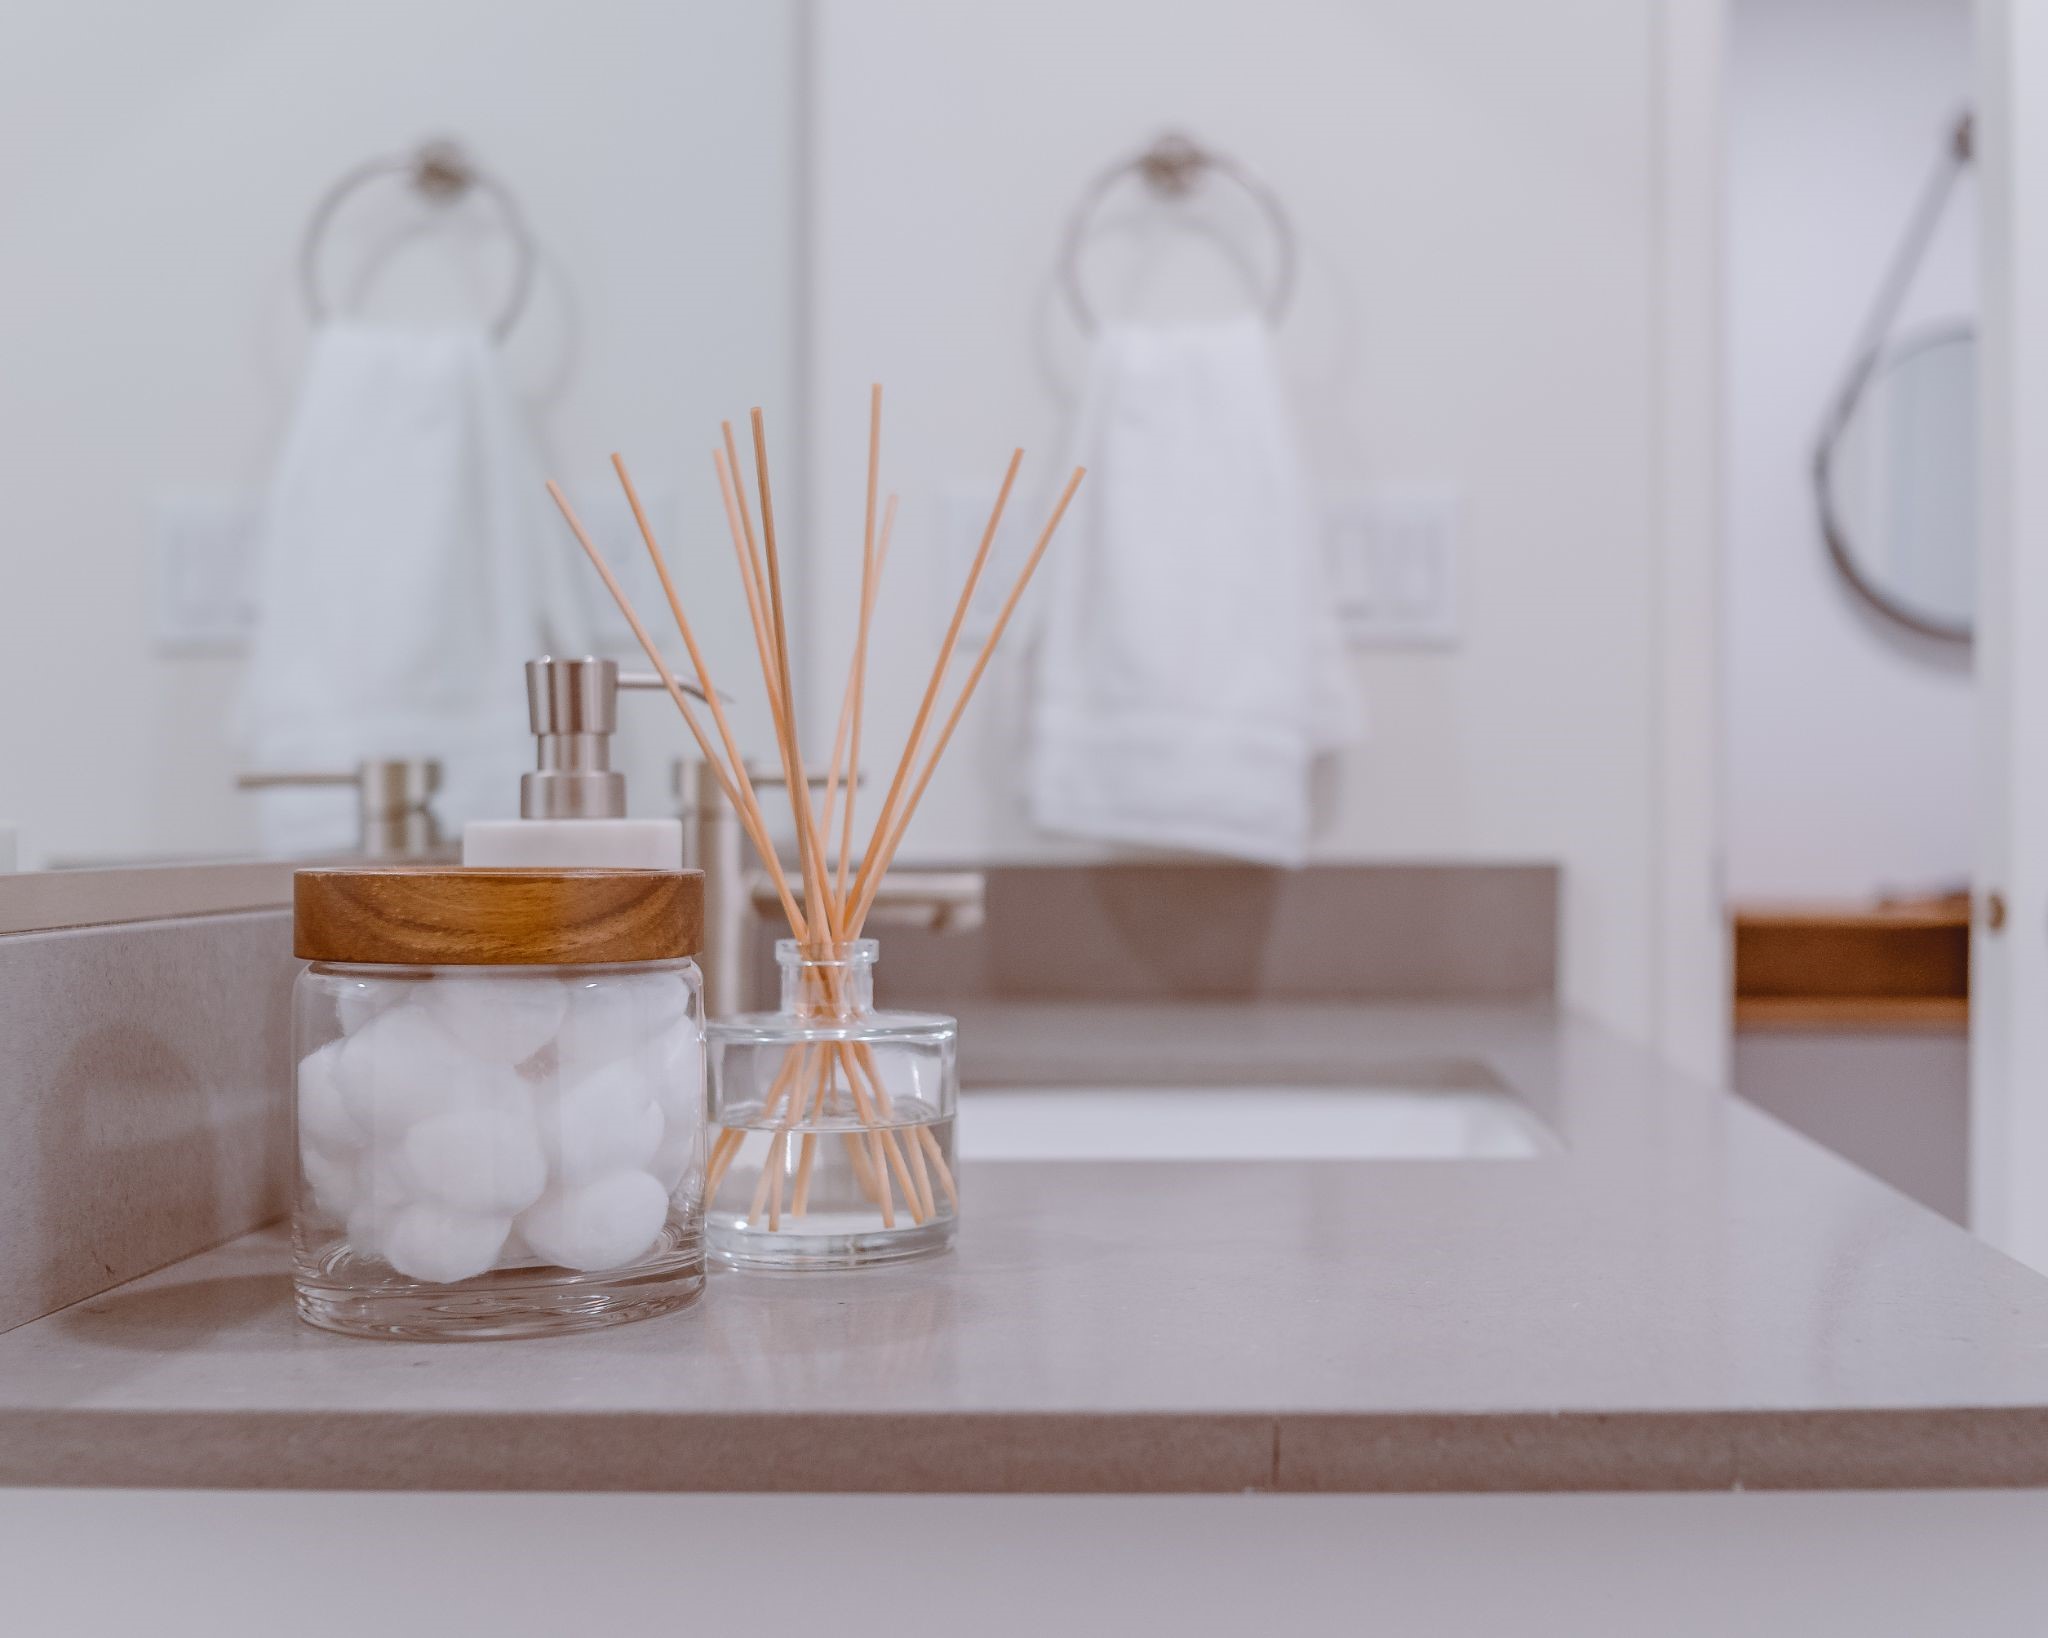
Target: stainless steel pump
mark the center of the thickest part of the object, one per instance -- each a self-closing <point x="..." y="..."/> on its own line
<point x="573" y="707"/>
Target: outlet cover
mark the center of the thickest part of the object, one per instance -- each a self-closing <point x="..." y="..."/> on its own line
<point x="204" y="564"/>
<point x="1393" y="563"/>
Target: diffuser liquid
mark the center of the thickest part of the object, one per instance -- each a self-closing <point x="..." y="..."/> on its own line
<point x="811" y="1196"/>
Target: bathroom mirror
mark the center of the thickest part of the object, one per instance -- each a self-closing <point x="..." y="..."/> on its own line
<point x="183" y="233"/>
<point x="1897" y="484"/>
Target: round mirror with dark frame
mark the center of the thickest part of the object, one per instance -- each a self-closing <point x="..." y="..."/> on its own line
<point x="1895" y="469"/>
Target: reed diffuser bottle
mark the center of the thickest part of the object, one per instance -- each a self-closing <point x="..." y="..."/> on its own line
<point x="832" y="1122"/>
<point x="836" y="1121"/>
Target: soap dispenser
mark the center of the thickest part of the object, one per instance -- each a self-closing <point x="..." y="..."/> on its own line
<point x="572" y="806"/>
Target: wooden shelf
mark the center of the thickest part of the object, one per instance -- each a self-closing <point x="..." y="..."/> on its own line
<point x="1835" y="966"/>
<point x="1934" y="1014"/>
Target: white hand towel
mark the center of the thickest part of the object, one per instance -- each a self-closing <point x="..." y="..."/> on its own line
<point x="402" y="579"/>
<point x="1190" y="666"/>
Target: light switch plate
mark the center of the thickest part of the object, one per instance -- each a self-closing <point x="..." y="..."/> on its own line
<point x="1393" y="554"/>
<point x="203" y="569"/>
<point x="203" y="597"/>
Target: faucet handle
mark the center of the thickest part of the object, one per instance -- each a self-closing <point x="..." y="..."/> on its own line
<point x="693" y="783"/>
<point x="295" y="779"/>
<point x="938" y="901"/>
<point x="394" y="797"/>
<point x="650" y="679"/>
<point x="388" y="784"/>
<point x="770" y="773"/>
<point x="775" y="778"/>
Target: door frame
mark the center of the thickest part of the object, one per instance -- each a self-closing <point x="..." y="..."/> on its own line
<point x="1693" y="989"/>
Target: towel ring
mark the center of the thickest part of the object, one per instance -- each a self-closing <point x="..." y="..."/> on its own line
<point x="442" y="173"/>
<point x="1171" y="167"/>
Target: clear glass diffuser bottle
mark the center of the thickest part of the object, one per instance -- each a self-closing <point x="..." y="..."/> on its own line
<point x="831" y="1122"/>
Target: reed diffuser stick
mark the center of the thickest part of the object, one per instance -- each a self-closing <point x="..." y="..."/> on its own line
<point x="872" y="1115"/>
<point x="755" y="832"/>
<point x="870" y="588"/>
<point x="867" y="564"/>
<point x="843" y="778"/>
<point x="833" y="757"/>
<point x="755" y="566"/>
<point x="841" y="773"/>
<point x="737" y="762"/>
<point x="818" y="905"/>
<point x="800" y="1197"/>
<point x="727" y="1147"/>
<point x="742" y="545"/>
<point x="887" y="852"/>
<point x="930" y="1145"/>
<point x="931" y="692"/>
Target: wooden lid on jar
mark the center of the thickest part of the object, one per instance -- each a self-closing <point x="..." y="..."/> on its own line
<point x="444" y="917"/>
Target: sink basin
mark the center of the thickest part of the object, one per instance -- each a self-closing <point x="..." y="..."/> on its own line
<point x="1247" y="1123"/>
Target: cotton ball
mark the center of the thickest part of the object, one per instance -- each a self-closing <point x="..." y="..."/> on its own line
<point x="613" y="1017"/>
<point x="515" y="1250"/>
<point x="480" y="1160"/>
<point x="500" y="1020"/>
<point x="332" y="1180"/>
<point x="434" y="1242"/>
<point x="324" y="1120"/>
<point x="598" y="1225"/>
<point x="382" y="1191"/>
<point x="403" y="1067"/>
<point x="358" y="1000"/>
<point x="662" y="996"/>
<point x="677" y="1158"/>
<point x="608" y="1122"/>
<point x="675" y="1065"/>
<point x="675" y="1062"/>
<point x="541" y="1072"/>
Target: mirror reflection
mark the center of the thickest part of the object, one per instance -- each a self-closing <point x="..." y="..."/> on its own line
<point x="1895" y="475"/>
<point x="303" y="310"/>
<point x="1901" y="484"/>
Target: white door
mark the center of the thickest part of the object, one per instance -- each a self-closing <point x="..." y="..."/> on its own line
<point x="2009" y="945"/>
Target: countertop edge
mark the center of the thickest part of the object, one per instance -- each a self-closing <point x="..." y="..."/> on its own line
<point x="1104" y="1453"/>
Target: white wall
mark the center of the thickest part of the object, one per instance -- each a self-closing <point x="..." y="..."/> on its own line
<point x="1849" y="745"/>
<point x="157" y="165"/>
<point x="1475" y="188"/>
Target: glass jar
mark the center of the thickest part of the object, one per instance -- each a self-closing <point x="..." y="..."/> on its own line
<point x="832" y="1141"/>
<point x="496" y="1148"/>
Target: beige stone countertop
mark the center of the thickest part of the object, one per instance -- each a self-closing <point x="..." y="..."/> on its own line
<point x="1685" y="1296"/>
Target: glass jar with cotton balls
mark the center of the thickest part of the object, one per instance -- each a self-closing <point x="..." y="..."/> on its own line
<point x="499" y="1099"/>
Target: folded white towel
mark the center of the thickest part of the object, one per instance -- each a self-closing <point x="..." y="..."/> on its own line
<point x="402" y="579"/>
<point x="1190" y="666"/>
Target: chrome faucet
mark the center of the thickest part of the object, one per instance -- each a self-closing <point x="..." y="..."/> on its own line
<point x="394" y="802"/>
<point x="736" y="895"/>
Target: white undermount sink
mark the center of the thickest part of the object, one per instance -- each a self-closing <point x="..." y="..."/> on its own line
<point x="1247" y="1123"/>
